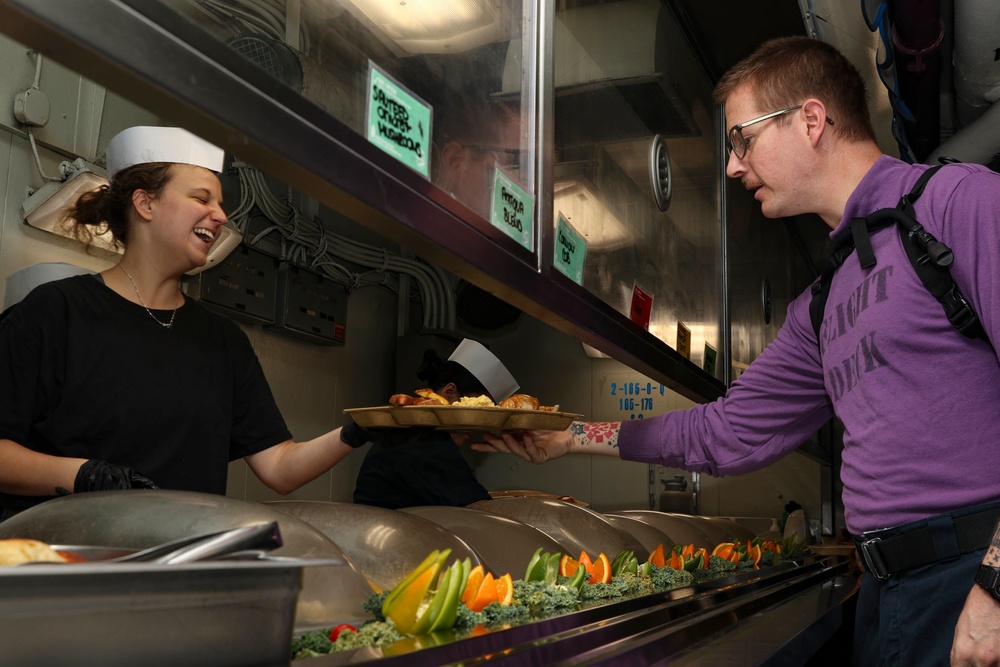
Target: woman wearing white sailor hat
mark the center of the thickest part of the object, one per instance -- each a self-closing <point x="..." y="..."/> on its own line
<point x="117" y="380"/>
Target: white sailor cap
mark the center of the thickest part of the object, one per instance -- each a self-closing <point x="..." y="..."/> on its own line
<point x="482" y="363"/>
<point x="143" y="144"/>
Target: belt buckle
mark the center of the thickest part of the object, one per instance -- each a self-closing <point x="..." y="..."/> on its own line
<point x="873" y="560"/>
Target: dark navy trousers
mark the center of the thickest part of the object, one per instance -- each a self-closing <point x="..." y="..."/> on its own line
<point x="909" y="619"/>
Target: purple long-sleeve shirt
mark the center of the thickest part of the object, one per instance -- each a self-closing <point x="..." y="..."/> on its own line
<point x="920" y="403"/>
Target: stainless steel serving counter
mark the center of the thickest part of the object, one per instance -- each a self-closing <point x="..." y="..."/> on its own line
<point x="777" y="615"/>
<point x="780" y="615"/>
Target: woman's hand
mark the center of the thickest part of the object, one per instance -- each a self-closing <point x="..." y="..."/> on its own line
<point x="105" y="476"/>
<point x="532" y="446"/>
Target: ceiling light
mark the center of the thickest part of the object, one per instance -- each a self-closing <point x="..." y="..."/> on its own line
<point x="433" y="26"/>
<point x="46" y="208"/>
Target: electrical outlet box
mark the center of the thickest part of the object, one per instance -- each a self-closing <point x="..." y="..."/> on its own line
<point x="310" y="306"/>
<point x="242" y="286"/>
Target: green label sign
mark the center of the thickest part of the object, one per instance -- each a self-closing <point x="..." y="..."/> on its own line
<point x="399" y="122"/>
<point x="512" y="210"/>
<point x="571" y="251"/>
<point x="709" y="363"/>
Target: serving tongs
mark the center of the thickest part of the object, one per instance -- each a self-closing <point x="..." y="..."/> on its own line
<point x="255" y="537"/>
<point x="245" y="541"/>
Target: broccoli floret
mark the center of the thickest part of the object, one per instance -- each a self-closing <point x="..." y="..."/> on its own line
<point x="495" y="614"/>
<point x="721" y="566"/>
<point x="312" y="644"/>
<point x="373" y="605"/>
<point x="544" y="599"/>
<point x="600" y="591"/>
<point x="466" y="619"/>
<point x="317" y="642"/>
<point x="636" y="585"/>
<point x="372" y="633"/>
<point x="667" y="578"/>
<point x="717" y="567"/>
<point x="624" y="585"/>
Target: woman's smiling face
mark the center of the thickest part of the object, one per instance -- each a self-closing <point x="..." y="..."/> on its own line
<point x="189" y="210"/>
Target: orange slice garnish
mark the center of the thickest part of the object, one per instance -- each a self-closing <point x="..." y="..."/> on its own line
<point x="568" y="565"/>
<point x="475" y="580"/>
<point x="505" y="589"/>
<point x="602" y="570"/>
<point x="487" y="593"/>
<point x="657" y="558"/>
<point x="724" y="550"/>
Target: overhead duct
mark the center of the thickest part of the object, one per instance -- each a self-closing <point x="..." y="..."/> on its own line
<point x="976" y="57"/>
<point x="978" y="142"/>
<point x="620" y="71"/>
<point x="977" y="85"/>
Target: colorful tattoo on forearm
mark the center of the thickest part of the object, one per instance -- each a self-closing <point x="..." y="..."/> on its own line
<point x="586" y="433"/>
<point x="993" y="553"/>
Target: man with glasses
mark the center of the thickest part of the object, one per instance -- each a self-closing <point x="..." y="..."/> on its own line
<point x="920" y="402"/>
<point x="472" y="139"/>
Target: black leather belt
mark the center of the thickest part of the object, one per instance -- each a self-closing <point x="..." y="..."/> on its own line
<point x="936" y="539"/>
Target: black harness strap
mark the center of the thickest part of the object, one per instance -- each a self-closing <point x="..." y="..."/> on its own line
<point x="929" y="257"/>
<point x="861" y="235"/>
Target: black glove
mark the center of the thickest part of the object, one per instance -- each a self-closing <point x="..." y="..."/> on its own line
<point x="105" y="476"/>
<point x="356" y="436"/>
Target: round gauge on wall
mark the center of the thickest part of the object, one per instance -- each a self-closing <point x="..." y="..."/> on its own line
<point x="659" y="172"/>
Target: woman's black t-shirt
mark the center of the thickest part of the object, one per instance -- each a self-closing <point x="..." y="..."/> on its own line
<point x="86" y="373"/>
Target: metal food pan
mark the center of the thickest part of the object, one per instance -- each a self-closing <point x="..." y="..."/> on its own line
<point x="140" y="518"/>
<point x="211" y="613"/>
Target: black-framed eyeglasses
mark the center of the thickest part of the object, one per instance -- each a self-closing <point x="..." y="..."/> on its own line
<point x="736" y="143"/>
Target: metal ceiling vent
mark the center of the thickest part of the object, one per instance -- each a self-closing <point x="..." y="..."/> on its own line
<point x="272" y="56"/>
<point x="278" y="43"/>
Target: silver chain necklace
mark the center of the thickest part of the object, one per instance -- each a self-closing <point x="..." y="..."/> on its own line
<point x="165" y="325"/>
